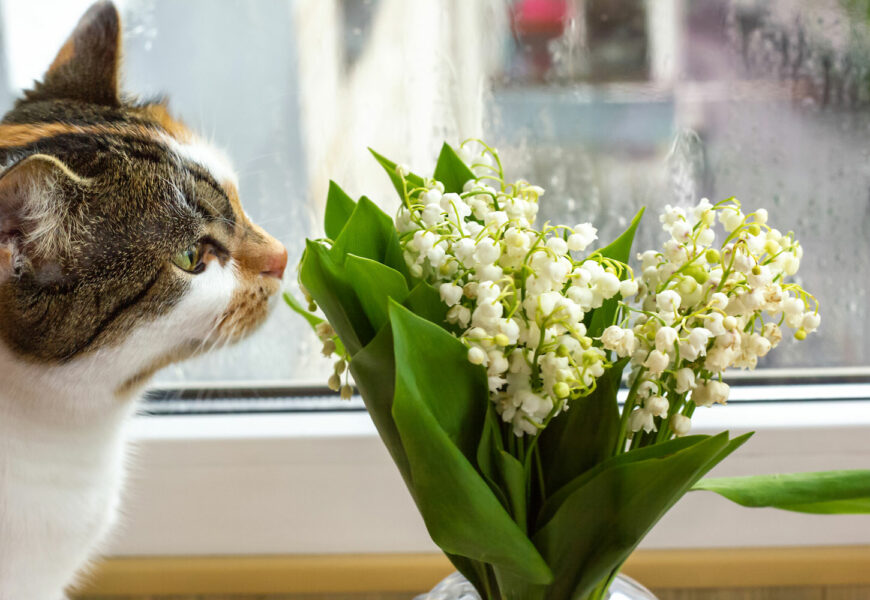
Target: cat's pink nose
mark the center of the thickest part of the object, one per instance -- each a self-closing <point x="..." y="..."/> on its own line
<point x="275" y="263"/>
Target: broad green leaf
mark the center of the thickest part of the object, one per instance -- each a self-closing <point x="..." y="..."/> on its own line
<point x="601" y="522"/>
<point x="583" y="436"/>
<point x="339" y="207"/>
<point x="473" y="570"/>
<point x="374" y="284"/>
<point x="822" y="492"/>
<point x="555" y="500"/>
<point x="312" y="319"/>
<point x="451" y="171"/>
<point x="435" y="365"/>
<point x="439" y="419"/>
<point x="367" y="233"/>
<point x="370" y="233"/>
<point x="412" y="180"/>
<point x="504" y="473"/>
<point x="425" y="301"/>
<point x="373" y="369"/>
<point x="619" y="249"/>
<point x="395" y="259"/>
<point x="328" y="285"/>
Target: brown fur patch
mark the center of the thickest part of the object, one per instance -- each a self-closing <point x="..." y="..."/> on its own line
<point x="12" y="136"/>
<point x="66" y="54"/>
<point x="159" y="114"/>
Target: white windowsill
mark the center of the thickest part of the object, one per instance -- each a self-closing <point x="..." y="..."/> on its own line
<point x="311" y="483"/>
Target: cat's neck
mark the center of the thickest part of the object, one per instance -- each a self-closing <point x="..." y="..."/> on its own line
<point x="83" y="393"/>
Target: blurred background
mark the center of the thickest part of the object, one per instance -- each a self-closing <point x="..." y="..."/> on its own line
<point x="608" y="104"/>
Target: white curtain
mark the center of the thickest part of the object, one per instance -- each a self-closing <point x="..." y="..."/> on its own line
<point x="422" y="78"/>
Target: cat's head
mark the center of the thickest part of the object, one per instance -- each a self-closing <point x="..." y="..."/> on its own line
<point x="121" y="233"/>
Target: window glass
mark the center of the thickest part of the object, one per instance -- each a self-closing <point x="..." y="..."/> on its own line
<point x="608" y="104"/>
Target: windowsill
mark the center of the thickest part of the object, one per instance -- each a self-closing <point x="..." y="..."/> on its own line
<point x="315" y="483"/>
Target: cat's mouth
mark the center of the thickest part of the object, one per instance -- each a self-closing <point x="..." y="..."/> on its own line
<point x="248" y="309"/>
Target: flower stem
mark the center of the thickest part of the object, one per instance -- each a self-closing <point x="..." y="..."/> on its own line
<point x="626" y="412"/>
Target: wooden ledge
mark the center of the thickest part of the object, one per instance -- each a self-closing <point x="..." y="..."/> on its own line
<point x="297" y="574"/>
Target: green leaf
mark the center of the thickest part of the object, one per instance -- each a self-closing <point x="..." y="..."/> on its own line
<point x="425" y="301"/>
<point x="439" y="419"/>
<point x="451" y="171"/>
<point x="374" y="284"/>
<point x="328" y="284"/>
<point x="339" y="207"/>
<point x="822" y="492"/>
<point x="584" y="435"/>
<point x="373" y="369"/>
<point x="555" y="501"/>
<point x="312" y="319"/>
<point x="370" y="233"/>
<point x="367" y="233"/>
<point x="424" y="354"/>
<point x="414" y="181"/>
<point x="601" y="522"/>
<point x="504" y="473"/>
<point x="619" y="249"/>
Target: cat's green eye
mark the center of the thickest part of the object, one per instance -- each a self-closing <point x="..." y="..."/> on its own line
<point x="190" y="259"/>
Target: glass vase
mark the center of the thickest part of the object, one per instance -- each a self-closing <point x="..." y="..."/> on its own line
<point x="457" y="587"/>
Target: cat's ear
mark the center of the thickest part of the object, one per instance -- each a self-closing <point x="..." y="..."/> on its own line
<point x="31" y="218"/>
<point x="86" y="68"/>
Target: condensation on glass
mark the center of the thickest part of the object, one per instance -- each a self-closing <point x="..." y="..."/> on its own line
<point x="608" y="104"/>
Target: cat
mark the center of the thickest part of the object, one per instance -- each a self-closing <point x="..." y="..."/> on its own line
<point x="123" y="248"/>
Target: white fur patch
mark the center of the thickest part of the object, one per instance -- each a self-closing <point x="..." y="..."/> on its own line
<point x="63" y="448"/>
<point x="205" y="155"/>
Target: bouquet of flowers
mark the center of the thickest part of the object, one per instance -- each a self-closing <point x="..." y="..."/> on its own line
<point x="489" y="352"/>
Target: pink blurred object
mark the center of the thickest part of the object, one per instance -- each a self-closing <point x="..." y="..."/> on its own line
<point x="540" y="18"/>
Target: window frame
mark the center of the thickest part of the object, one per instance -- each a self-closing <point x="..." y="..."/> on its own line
<point x="321" y="482"/>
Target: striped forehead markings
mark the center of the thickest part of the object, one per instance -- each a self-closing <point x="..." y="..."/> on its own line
<point x="139" y="142"/>
<point x="222" y="210"/>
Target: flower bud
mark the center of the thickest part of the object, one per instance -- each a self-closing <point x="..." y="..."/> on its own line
<point x="697" y="272"/>
<point x="628" y="288"/>
<point x="451" y="293"/>
<point x="712" y="256"/>
<point x="680" y="424"/>
<point x="800" y="334"/>
<point x="665" y="339"/>
<point x="476" y="355"/>
<point x="811" y="322"/>
<point x="656" y="362"/>
<point x="557" y="245"/>
<point x="657" y="406"/>
<point x="334" y="382"/>
<point x="501" y="340"/>
<point x="685" y="380"/>
<point x="641" y="419"/>
<point x="686" y="286"/>
<point x="668" y="301"/>
<point x="561" y="390"/>
<point x="324" y="330"/>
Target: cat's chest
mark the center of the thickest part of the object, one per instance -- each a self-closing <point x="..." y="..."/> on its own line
<point x="59" y="492"/>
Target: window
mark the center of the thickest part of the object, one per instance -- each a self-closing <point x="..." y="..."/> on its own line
<point x="608" y="104"/>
